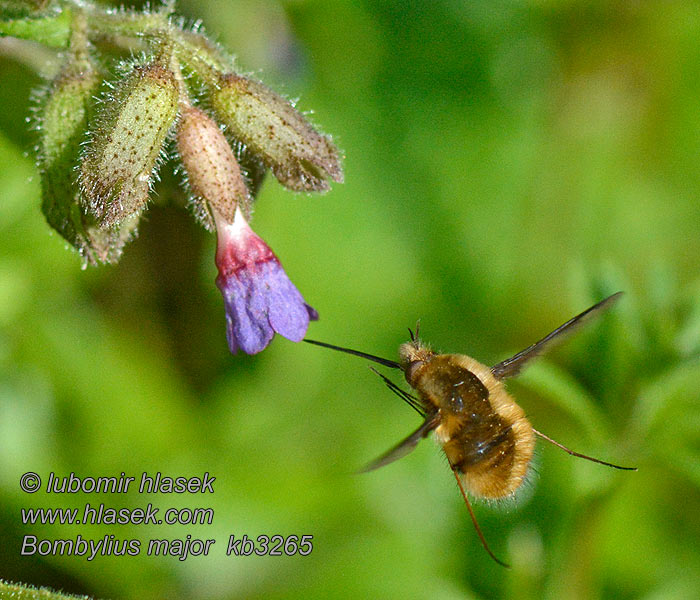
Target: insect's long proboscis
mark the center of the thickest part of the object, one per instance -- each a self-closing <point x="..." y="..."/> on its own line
<point x="378" y="359"/>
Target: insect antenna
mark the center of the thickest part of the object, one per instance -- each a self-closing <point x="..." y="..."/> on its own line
<point x="382" y="361"/>
<point x="476" y="525"/>
<point x="579" y="455"/>
<point x="409" y="399"/>
<point x="414" y="337"/>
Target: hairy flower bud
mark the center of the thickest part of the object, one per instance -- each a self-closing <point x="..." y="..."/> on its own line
<point x="213" y="174"/>
<point x="126" y="143"/>
<point x="62" y="121"/>
<point x="300" y="157"/>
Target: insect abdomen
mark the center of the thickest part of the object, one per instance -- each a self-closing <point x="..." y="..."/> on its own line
<point x="484" y="433"/>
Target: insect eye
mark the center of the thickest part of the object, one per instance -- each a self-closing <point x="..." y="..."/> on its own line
<point x="412" y="370"/>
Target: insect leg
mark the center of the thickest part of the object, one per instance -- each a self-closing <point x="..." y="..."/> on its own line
<point x="476" y="525"/>
<point x="572" y="453"/>
<point x="412" y="401"/>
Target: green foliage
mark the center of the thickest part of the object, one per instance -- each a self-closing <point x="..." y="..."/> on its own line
<point x="507" y="166"/>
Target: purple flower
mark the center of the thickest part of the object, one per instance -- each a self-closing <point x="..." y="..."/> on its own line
<point x="259" y="297"/>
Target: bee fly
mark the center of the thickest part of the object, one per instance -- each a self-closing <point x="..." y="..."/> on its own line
<point x="487" y="438"/>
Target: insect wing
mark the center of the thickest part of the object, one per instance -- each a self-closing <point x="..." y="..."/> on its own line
<point x="404" y="447"/>
<point x="513" y="365"/>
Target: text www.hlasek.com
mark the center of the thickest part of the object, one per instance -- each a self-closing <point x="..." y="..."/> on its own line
<point x="117" y="516"/>
<point x="111" y="545"/>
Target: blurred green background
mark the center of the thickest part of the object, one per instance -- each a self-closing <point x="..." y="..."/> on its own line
<point x="507" y="165"/>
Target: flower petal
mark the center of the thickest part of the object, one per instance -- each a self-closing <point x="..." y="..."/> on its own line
<point x="287" y="311"/>
<point x="259" y="297"/>
<point x="246" y="315"/>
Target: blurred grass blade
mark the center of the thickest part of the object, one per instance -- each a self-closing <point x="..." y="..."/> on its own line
<point x="560" y="388"/>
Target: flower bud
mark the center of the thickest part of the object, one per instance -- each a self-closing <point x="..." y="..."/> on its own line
<point x="213" y="174"/>
<point x="270" y="127"/>
<point x="126" y="143"/>
<point x="63" y="117"/>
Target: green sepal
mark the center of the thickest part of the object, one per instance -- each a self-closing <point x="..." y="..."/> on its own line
<point x="271" y="129"/>
<point x="63" y="119"/>
<point x="126" y="141"/>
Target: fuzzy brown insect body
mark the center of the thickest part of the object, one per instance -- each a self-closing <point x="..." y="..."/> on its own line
<point x="487" y="439"/>
<point x="484" y="433"/>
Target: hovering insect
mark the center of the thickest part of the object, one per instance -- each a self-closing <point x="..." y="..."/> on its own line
<point x="487" y="438"/>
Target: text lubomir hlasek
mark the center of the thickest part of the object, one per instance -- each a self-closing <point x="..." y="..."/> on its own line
<point x="149" y="484"/>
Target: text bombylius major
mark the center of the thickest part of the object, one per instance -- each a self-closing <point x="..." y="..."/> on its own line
<point x="488" y="441"/>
